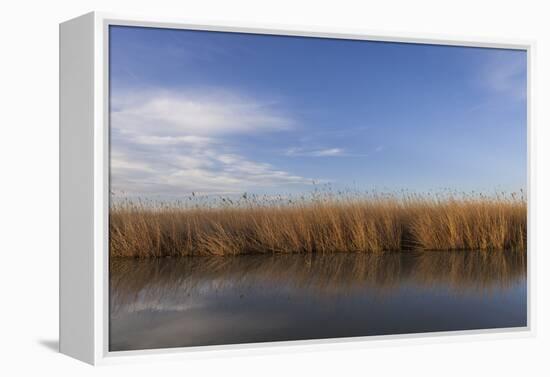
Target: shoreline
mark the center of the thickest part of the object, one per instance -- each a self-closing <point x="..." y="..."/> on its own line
<point x="411" y="252"/>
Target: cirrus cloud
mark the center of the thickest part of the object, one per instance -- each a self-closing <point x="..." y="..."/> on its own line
<point x="164" y="113"/>
<point x="171" y="143"/>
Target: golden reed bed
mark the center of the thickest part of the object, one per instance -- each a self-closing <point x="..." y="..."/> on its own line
<point x="322" y="225"/>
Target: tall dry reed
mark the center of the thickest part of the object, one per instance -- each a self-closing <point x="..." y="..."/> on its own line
<point x="322" y="225"/>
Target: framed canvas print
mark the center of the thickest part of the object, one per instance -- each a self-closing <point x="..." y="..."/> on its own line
<point x="231" y="188"/>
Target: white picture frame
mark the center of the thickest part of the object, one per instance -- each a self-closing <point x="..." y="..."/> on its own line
<point x="84" y="190"/>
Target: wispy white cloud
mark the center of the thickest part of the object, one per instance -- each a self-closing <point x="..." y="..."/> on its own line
<point x="164" y="113"/>
<point x="506" y="73"/>
<point x="322" y="152"/>
<point x="327" y="152"/>
<point x="172" y="143"/>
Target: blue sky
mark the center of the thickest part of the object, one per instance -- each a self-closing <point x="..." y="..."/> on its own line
<point x="226" y="113"/>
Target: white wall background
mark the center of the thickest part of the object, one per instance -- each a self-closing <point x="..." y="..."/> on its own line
<point x="29" y="187"/>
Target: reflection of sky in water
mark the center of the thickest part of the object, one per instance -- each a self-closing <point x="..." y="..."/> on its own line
<point x="203" y="301"/>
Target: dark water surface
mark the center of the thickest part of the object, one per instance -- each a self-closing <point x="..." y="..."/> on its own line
<point x="196" y="301"/>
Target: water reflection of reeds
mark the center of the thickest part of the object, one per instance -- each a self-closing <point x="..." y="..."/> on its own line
<point x="156" y="282"/>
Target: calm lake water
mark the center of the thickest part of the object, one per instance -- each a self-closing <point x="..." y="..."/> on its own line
<point x="196" y="301"/>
